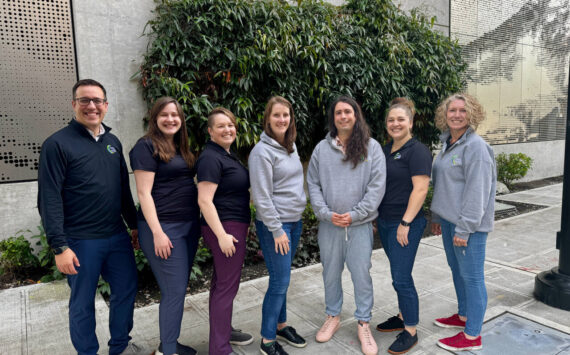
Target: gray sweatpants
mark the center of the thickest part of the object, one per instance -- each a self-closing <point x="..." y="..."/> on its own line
<point x="353" y="246"/>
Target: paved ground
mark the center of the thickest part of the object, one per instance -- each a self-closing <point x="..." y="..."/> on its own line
<point x="34" y="318"/>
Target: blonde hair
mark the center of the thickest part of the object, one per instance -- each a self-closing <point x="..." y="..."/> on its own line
<point x="475" y="112"/>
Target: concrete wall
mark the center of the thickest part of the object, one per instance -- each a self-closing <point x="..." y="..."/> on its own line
<point x="548" y="157"/>
<point x="109" y="49"/>
<point x="110" y="46"/>
<point x="437" y="8"/>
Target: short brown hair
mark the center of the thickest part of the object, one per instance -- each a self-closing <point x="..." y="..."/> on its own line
<point x="220" y="110"/>
<point x="291" y="133"/>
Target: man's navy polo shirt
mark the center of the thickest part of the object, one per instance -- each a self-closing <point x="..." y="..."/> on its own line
<point x="224" y="169"/>
<point x="173" y="190"/>
<point x="412" y="159"/>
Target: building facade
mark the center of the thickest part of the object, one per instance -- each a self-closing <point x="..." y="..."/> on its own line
<point x="517" y="50"/>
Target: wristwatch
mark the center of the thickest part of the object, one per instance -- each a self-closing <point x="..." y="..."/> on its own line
<point x="405" y="224"/>
<point x="60" y="250"/>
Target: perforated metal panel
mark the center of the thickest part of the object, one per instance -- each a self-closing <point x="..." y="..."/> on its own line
<point x="518" y="56"/>
<point x="37" y="70"/>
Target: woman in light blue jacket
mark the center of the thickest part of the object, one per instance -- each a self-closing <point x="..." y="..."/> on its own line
<point x="463" y="209"/>
<point x="276" y="176"/>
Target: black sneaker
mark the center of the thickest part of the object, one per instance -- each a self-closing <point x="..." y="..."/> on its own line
<point x="180" y="350"/>
<point x="273" y="348"/>
<point x="393" y="324"/>
<point x="403" y="343"/>
<point x="240" y="338"/>
<point x="289" y="334"/>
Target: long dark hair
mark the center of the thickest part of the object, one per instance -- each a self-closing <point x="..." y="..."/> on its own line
<point x="357" y="145"/>
<point x="291" y="133"/>
<point x="162" y="148"/>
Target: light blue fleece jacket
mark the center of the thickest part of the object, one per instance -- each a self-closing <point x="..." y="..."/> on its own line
<point x="334" y="186"/>
<point x="276" y="179"/>
<point x="464" y="179"/>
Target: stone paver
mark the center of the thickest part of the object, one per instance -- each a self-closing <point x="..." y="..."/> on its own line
<point x="34" y="318"/>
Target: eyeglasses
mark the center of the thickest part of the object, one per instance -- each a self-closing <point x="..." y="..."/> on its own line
<point x="84" y="101"/>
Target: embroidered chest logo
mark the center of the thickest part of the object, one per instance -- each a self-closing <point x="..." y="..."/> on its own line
<point x="111" y="149"/>
<point x="397" y="156"/>
<point x="455" y="160"/>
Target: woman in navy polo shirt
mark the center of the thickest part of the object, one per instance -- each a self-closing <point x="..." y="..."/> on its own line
<point x="401" y="222"/>
<point x="168" y="219"/>
<point x="223" y="196"/>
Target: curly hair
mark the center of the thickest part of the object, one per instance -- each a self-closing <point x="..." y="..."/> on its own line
<point x="162" y="148"/>
<point x="357" y="145"/>
<point x="475" y="112"/>
<point x="291" y="133"/>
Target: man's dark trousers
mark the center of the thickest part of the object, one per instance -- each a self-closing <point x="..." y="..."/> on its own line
<point x="113" y="258"/>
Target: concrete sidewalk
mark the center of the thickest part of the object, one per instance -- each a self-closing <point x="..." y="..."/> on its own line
<point x="34" y="318"/>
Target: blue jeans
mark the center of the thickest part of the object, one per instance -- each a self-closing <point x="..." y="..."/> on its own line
<point x="274" y="309"/>
<point x="112" y="258"/>
<point x="467" y="267"/>
<point x="401" y="264"/>
<point x="171" y="274"/>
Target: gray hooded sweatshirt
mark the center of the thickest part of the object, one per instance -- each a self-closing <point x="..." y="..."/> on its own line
<point x="334" y="186"/>
<point x="464" y="179"/>
<point x="276" y="184"/>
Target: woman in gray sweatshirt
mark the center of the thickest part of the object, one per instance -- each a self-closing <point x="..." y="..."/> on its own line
<point x="276" y="176"/>
<point x="463" y="208"/>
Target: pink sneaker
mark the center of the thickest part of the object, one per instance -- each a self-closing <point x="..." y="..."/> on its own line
<point x="367" y="342"/>
<point x="450" y="322"/>
<point x="328" y="329"/>
<point x="459" y="342"/>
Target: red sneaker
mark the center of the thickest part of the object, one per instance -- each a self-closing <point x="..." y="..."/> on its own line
<point x="450" y="322"/>
<point x="459" y="342"/>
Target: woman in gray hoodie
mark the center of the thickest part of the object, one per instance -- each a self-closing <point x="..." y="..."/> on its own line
<point x="276" y="176"/>
<point x="463" y="209"/>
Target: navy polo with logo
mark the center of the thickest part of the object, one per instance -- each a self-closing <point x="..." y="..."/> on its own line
<point x="231" y="199"/>
<point x="412" y="159"/>
<point x="83" y="186"/>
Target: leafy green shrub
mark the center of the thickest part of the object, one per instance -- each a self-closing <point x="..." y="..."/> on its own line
<point x="16" y="253"/>
<point x="103" y="287"/>
<point x="429" y="197"/>
<point x="203" y="257"/>
<point x="307" y="251"/>
<point x="308" y="248"/>
<point x="238" y="53"/>
<point x="512" y="167"/>
<point x="46" y="257"/>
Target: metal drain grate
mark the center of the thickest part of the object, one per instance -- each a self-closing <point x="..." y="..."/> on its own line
<point x="511" y="334"/>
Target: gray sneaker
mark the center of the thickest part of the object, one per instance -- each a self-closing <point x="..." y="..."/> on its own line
<point x="240" y="338"/>
<point x="134" y="349"/>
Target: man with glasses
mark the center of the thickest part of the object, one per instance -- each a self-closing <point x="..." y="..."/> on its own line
<point x="84" y="200"/>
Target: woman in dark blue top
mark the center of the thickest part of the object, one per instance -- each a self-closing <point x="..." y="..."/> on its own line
<point x="168" y="220"/>
<point x="223" y="196"/>
<point x="401" y="222"/>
